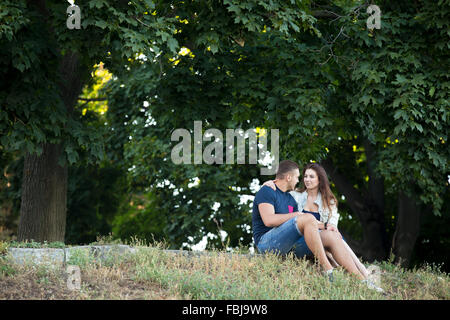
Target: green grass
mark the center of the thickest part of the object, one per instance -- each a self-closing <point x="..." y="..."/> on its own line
<point x="34" y="244"/>
<point x="219" y="275"/>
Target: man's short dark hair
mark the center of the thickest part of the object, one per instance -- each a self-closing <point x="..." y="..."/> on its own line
<point x="285" y="167"/>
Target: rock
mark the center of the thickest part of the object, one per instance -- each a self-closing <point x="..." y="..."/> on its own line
<point x="82" y="255"/>
<point x="48" y="256"/>
<point x="89" y="253"/>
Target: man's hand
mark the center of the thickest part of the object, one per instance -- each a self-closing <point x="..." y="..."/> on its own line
<point x="270" y="219"/>
<point x="270" y="183"/>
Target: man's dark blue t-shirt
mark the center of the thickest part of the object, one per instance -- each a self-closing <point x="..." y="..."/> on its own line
<point x="282" y="202"/>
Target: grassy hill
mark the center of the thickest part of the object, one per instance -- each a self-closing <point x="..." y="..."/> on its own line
<point x="153" y="273"/>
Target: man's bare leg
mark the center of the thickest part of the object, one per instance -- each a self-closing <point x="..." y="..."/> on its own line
<point x="307" y="224"/>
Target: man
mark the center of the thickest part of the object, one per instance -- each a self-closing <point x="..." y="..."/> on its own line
<point x="277" y="224"/>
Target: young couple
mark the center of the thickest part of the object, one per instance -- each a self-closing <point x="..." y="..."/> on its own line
<point x="303" y="221"/>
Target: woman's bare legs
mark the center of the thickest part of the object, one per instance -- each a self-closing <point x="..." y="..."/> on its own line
<point x="333" y="243"/>
<point x="331" y="259"/>
<point x="307" y="224"/>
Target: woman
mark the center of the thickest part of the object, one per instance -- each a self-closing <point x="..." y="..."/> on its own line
<point x="317" y="199"/>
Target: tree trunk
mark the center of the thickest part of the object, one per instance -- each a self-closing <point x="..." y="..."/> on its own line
<point x="44" y="197"/>
<point x="406" y="231"/>
<point x="375" y="202"/>
<point x="369" y="212"/>
<point x="44" y="186"/>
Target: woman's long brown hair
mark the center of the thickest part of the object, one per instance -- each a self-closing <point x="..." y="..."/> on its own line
<point x="324" y="185"/>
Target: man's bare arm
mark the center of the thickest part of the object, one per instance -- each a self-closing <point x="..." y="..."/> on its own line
<point x="270" y="219"/>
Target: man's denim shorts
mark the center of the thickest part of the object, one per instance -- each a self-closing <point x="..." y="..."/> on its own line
<point x="283" y="239"/>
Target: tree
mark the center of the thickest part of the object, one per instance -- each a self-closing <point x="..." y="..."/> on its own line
<point x="202" y="81"/>
<point x="42" y="58"/>
<point x="45" y="59"/>
<point x="348" y="89"/>
<point x="398" y="100"/>
<point x="370" y="104"/>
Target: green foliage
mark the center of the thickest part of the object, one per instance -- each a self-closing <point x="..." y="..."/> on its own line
<point x="326" y="84"/>
<point x="6" y="268"/>
<point x="259" y="77"/>
<point x="3" y="247"/>
<point x="94" y="197"/>
<point x="10" y="186"/>
<point x="433" y="243"/>
<point x="140" y="217"/>
<point x="32" y="48"/>
<point x="81" y="257"/>
<point x="208" y="84"/>
<point x="399" y="96"/>
<point x="34" y="244"/>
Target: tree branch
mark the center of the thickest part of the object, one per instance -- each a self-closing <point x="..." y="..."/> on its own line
<point x="326" y="14"/>
<point x="90" y="100"/>
<point x="355" y="200"/>
<point x="376" y="184"/>
<point x="93" y="99"/>
<point x="135" y="18"/>
<point x="371" y="218"/>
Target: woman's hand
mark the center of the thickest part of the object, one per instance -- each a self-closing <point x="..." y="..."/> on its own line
<point x="270" y="183"/>
<point x="333" y="228"/>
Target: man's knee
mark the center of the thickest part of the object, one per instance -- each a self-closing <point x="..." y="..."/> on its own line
<point x="306" y="219"/>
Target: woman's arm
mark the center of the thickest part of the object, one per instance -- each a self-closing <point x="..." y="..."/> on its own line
<point x="270" y="183"/>
<point x="334" y="219"/>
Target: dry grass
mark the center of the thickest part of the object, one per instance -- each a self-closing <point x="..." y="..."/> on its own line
<point x="156" y="274"/>
<point x="97" y="282"/>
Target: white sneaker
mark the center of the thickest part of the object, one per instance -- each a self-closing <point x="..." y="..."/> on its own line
<point x="372" y="285"/>
<point x="329" y="274"/>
